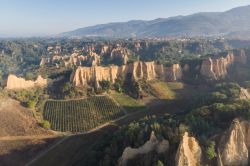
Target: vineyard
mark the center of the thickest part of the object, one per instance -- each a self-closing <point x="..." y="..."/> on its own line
<point x="81" y="115"/>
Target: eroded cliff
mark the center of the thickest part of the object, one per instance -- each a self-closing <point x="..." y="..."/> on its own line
<point x="153" y="145"/>
<point x="189" y="152"/>
<point x="15" y="83"/>
<point x="244" y="94"/>
<point x="234" y="145"/>
<point x="217" y="67"/>
<point x="120" y="53"/>
<point x="138" y="70"/>
<point x="75" y="59"/>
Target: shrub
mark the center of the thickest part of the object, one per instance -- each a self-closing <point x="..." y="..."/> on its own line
<point x="247" y="84"/>
<point x="45" y="124"/>
<point x="31" y="104"/>
<point x="183" y="128"/>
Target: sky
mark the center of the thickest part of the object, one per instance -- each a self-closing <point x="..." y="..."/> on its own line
<point x="26" y="18"/>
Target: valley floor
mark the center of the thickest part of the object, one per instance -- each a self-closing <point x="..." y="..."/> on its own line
<point x="74" y="148"/>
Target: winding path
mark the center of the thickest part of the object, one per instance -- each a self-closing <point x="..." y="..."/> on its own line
<point x="28" y="137"/>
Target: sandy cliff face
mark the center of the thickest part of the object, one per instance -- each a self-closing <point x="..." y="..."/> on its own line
<point x="234" y="145"/>
<point x="152" y="145"/>
<point x="138" y="70"/>
<point x="137" y="46"/>
<point x="120" y="53"/>
<point x="217" y="68"/>
<point x="15" y="83"/>
<point x="105" y="49"/>
<point x="207" y="69"/>
<point x="245" y="125"/>
<point x="89" y="48"/>
<point x="244" y="94"/>
<point x="240" y="56"/>
<point x="44" y="61"/>
<point x="86" y="75"/>
<point x="189" y="152"/>
<point x="91" y="59"/>
<point x="142" y="70"/>
<point x="174" y="72"/>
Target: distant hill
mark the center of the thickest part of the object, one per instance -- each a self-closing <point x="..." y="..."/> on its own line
<point x="231" y="22"/>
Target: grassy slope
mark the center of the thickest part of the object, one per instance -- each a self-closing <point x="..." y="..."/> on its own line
<point x="184" y="91"/>
<point x="161" y="90"/>
<point x="128" y="103"/>
<point x="171" y="90"/>
<point x="16" y="122"/>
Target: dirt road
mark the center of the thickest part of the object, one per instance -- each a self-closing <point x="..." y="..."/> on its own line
<point x="33" y="137"/>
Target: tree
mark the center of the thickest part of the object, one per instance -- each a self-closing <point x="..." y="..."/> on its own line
<point x="70" y="91"/>
<point x="105" y="84"/>
<point x="29" y="76"/>
<point x="118" y="87"/>
<point x="210" y="150"/>
<point x="159" y="163"/>
<point x="218" y="107"/>
<point x="218" y="97"/>
<point x="183" y="128"/>
<point x="137" y="87"/>
<point x="66" y="88"/>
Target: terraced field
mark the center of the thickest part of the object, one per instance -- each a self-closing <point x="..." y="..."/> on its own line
<point x="81" y="115"/>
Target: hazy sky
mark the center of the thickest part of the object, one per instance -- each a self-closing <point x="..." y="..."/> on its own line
<point x="44" y="17"/>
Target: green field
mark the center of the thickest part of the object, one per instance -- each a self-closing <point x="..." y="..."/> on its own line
<point x="81" y="115"/>
<point x="128" y="103"/>
<point x="161" y="90"/>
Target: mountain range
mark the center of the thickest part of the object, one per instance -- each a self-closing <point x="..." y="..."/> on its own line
<point x="232" y="23"/>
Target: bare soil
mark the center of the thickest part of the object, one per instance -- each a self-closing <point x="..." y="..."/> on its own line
<point x="21" y="138"/>
<point x="16" y="120"/>
<point x="19" y="152"/>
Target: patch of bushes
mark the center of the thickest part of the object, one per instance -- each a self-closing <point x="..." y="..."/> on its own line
<point x="31" y="104"/>
<point x="45" y="124"/>
<point x="69" y="91"/>
<point x="29" y="98"/>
